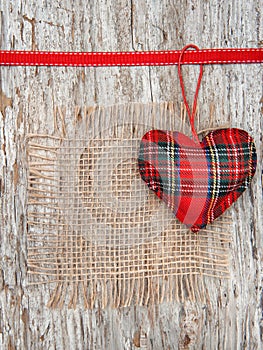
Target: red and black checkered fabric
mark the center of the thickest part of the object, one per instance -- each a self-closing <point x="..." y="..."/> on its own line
<point x="197" y="181"/>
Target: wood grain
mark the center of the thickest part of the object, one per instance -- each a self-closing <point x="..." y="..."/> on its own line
<point x="232" y="316"/>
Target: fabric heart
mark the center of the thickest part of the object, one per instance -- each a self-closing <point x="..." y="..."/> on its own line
<point x="197" y="181"/>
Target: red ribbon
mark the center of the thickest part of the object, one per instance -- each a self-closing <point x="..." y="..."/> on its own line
<point x="134" y="58"/>
<point x="191" y="114"/>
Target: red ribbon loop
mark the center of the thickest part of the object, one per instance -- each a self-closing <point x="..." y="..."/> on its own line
<point x="191" y="113"/>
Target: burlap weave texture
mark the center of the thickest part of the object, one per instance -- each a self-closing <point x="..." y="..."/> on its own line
<point x="95" y="230"/>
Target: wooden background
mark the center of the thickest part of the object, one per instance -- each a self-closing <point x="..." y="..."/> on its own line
<point x="232" y="316"/>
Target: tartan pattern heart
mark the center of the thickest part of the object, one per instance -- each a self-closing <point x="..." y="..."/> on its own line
<point x="198" y="182"/>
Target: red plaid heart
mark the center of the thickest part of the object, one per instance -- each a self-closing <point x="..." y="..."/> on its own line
<point x="197" y="181"/>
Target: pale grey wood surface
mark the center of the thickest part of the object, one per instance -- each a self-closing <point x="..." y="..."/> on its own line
<point x="232" y="316"/>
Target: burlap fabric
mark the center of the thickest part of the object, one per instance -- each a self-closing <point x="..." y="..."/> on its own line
<point x="95" y="230"/>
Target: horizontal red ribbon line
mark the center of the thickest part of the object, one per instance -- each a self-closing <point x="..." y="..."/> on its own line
<point x="133" y="58"/>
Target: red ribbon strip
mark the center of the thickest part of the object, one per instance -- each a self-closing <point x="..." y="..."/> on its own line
<point x="136" y="58"/>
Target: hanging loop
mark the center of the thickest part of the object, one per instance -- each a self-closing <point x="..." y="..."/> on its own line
<point x="191" y="113"/>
